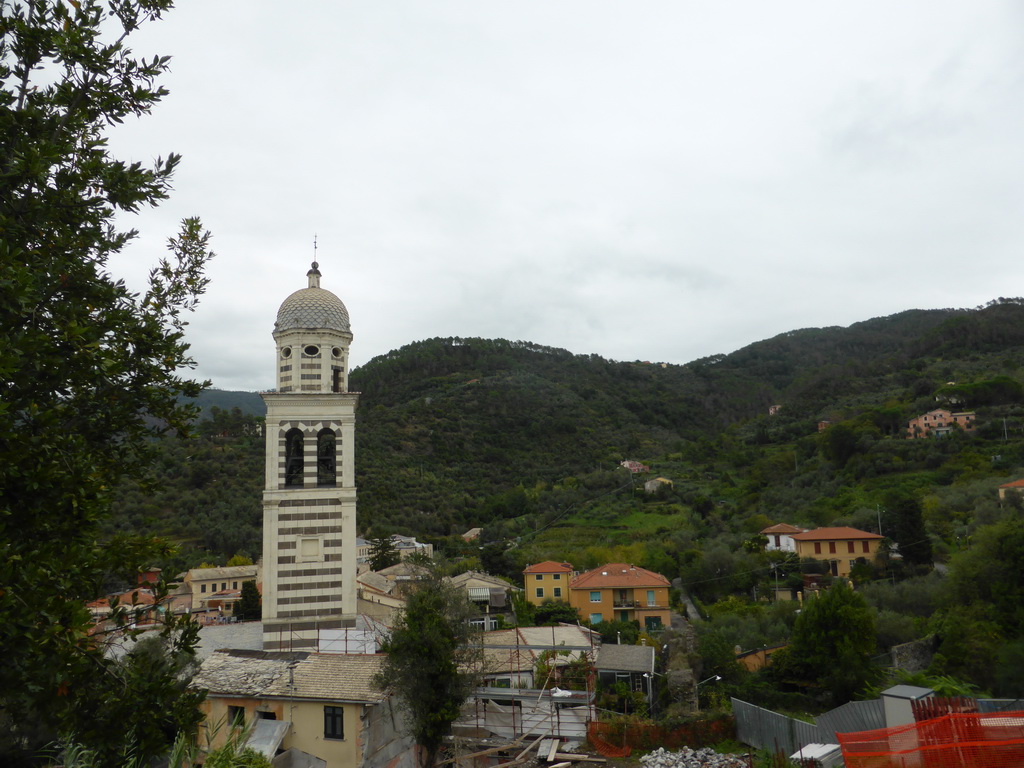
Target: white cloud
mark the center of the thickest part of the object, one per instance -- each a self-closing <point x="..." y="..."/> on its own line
<point x="660" y="181"/>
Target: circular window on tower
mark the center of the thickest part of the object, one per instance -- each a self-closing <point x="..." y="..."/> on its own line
<point x="311" y="351"/>
<point x="336" y="351"/>
<point x="286" y="352"/>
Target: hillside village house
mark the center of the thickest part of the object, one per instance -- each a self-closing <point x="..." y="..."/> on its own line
<point x="780" y="537"/>
<point x="489" y="594"/>
<point x="547" y="581"/>
<point x="203" y="583"/>
<point x="1017" y="487"/>
<point x="621" y="592"/>
<point x="322" y="705"/>
<point x="940" y="422"/>
<point x="525" y="691"/>
<point x="631" y="665"/>
<point x="840" y="547"/>
<point x="655" y="485"/>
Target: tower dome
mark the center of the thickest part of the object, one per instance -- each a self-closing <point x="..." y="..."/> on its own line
<point x="312" y="308"/>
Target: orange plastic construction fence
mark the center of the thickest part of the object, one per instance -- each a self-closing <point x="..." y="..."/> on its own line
<point x="993" y="740"/>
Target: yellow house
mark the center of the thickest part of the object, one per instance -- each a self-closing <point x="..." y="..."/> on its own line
<point x="547" y="581"/>
<point x="620" y="592"/>
<point x="840" y="547"/>
<point x="205" y="582"/>
<point x="319" y="704"/>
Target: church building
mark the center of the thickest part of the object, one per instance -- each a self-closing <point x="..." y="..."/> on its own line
<point x="309" y="497"/>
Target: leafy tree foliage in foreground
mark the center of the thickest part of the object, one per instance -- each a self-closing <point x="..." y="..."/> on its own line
<point x="431" y="661"/>
<point x="88" y="370"/>
<point x="831" y="646"/>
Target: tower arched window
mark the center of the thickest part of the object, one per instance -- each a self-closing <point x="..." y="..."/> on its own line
<point x="293" y="459"/>
<point x="326" y="458"/>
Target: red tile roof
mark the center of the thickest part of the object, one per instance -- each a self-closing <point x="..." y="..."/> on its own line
<point x="618" y="575"/>
<point x="548" y="566"/>
<point x="832" y="534"/>
<point x="1014" y="484"/>
<point x="782" y="528"/>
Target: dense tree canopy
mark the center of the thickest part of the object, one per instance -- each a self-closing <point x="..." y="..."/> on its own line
<point x="431" y="661"/>
<point x="89" y="371"/>
<point x="832" y="643"/>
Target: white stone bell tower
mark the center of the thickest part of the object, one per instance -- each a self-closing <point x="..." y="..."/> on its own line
<point x="309" y="497"/>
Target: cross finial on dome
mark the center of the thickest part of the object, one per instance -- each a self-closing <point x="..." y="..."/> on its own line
<point x="314" y="272"/>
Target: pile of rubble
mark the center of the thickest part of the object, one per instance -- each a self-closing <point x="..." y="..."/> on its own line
<point x="691" y="758"/>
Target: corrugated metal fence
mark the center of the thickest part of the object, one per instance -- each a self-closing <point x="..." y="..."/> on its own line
<point x="764" y="729"/>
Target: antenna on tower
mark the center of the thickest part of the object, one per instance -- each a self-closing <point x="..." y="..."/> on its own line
<point x="314" y="248"/>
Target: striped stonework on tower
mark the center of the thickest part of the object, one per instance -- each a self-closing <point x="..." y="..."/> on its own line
<point x="309" y="497"/>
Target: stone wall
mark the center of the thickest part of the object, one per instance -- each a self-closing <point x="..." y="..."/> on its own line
<point x="914" y="656"/>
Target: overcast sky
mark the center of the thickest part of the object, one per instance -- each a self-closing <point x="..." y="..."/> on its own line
<point x="641" y="180"/>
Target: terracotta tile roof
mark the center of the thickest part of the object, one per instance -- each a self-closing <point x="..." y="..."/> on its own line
<point x="1014" y="484"/>
<point x="618" y="575"/>
<point x="549" y="566"/>
<point x="833" y="534"/>
<point x="316" y="676"/>
<point x="783" y="528"/>
<point x="132" y="597"/>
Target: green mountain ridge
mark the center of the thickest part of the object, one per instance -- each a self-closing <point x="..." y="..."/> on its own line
<point x="526" y="442"/>
<point x="458" y="433"/>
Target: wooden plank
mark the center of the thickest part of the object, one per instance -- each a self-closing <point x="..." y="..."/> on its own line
<point x="572" y="757"/>
<point x="555" y="743"/>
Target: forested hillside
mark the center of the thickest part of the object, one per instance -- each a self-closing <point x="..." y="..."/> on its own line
<point x="456" y="433"/>
<point x="526" y="442"/>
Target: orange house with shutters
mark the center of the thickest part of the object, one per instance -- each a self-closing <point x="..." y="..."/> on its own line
<point x="621" y="592"/>
<point x="840" y="547"/>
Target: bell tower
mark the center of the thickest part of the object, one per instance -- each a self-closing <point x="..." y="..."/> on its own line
<point x="309" y="496"/>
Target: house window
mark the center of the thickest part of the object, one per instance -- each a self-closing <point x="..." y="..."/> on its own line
<point x="334" y="723"/>
<point x="595" y="618"/>
<point x="831" y="547"/>
<point x="595" y="597"/>
<point x="223" y="585"/>
<point x="817" y="547"/>
<point x="556" y="576"/>
<point x="558" y="591"/>
<point x="849" y="546"/>
<point x="234" y="585"/>
<point x="202" y="589"/>
<point x="650" y="597"/>
<point x="540" y="591"/>
<point x="236" y="717"/>
<point x="539" y="576"/>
